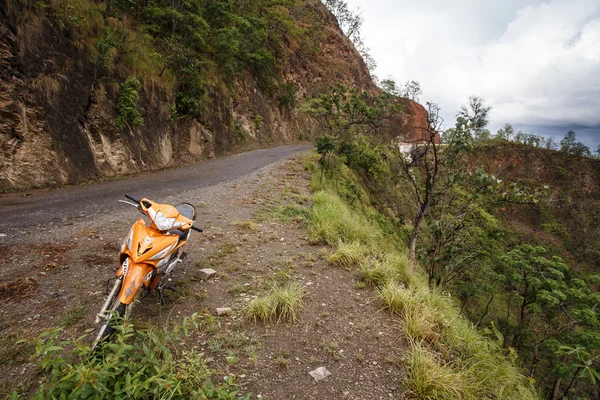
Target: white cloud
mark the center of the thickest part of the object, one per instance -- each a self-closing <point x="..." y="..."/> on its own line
<point x="537" y="63"/>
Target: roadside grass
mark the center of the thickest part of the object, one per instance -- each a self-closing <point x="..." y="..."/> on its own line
<point x="281" y="303"/>
<point x="349" y="255"/>
<point x="447" y="358"/>
<point x="331" y="220"/>
<point x="391" y="267"/>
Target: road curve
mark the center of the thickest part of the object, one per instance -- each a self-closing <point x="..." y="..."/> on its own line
<point x="20" y="211"/>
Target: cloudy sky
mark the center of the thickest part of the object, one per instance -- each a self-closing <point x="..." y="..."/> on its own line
<point x="536" y="62"/>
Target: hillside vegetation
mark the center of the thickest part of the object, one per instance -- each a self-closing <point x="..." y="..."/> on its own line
<point x="518" y="254"/>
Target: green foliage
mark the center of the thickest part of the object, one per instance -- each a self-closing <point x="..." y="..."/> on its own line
<point x="238" y="132"/>
<point x="127" y="111"/>
<point x="184" y="48"/>
<point x="227" y="36"/>
<point x="287" y="96"/>
<point x="258" y="120"/>
<point x="325" y="145"/>
<point x="570" y="145"/>
<point x="137" y="364"/>
<point x="344" y="112"/>
<point x="369" y="161"/>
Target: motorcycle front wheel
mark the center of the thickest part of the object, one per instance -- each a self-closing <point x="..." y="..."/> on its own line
<point x="118" y="312"/>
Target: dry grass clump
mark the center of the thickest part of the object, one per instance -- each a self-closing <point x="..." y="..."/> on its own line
<point x="388" y="267"/>
<point x="248" y="225"/>
<point x="420" y="321"/>
<point x="428" y="378"/>
<point x="281" y="303"/>
<point x="349" y="255"/>
<point x="47" y="87"/>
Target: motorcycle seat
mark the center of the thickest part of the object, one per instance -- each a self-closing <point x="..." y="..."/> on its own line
<point x="187" y="210"/>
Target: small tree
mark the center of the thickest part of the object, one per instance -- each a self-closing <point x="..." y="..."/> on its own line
<point x="350" y="21"/>
<point x="389" y="86"/>
<point x="551" y="144"/>
<point x="412" y="90"/>
<point x="507" y="132"/>
<point x="569" y="144"/>
<point x="476" y="113"/>
<point x="344" y="113"/>
<point x="421" y="167"/>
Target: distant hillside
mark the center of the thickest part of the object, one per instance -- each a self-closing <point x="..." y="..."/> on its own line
<point x="569" y="220"/>
<point x="95" y="89"/>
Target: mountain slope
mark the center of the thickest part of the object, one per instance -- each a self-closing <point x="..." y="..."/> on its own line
<point x="214" y="78"/>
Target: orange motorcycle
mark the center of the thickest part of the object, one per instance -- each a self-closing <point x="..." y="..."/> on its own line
<point x="148" y="254"/>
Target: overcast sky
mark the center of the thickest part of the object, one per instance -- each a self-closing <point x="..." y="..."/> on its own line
<point x="537" y="63"/>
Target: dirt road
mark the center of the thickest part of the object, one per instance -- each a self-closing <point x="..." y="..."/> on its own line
<point x="253" y="237"/>
<point x="19" y="212"/>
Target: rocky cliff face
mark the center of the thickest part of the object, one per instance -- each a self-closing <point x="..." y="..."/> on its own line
<point x="58" y="120"/>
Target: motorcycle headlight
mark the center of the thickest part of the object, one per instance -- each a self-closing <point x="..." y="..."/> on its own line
<point x="163" y="223"/>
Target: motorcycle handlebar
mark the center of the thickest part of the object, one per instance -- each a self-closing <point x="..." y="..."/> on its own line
<point x="138" y="200"/>
<point x="133" y="198"/>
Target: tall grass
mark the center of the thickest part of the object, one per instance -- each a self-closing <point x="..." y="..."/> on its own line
<point x="350" y="255"/>
<point x="387" y="267"/>
<point x="331" y="220"/>
<point x="428" y="379"/>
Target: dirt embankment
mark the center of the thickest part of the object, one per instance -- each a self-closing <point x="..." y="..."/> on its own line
<point x="251" y="237"/>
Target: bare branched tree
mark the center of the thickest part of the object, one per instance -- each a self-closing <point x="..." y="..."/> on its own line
<point x="412" y="90"/>
<point x="423" y="157"/>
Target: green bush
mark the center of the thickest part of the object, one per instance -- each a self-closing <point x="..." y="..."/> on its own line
<point x="137" y="364"/>
<point x="127" y="111"/>
<point x="287" y="96"/>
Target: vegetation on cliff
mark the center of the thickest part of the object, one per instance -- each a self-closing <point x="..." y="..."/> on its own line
<point x="183" y="47"/>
